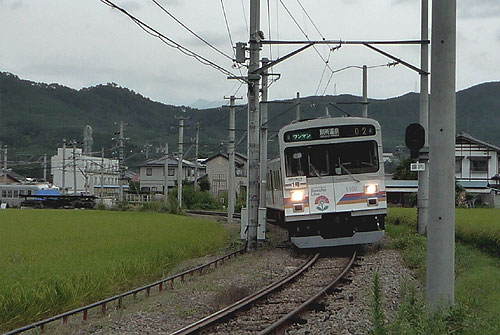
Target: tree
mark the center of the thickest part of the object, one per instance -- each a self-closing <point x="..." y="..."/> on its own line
<point x="403" y="171"/>
<point x="204" y="184"/>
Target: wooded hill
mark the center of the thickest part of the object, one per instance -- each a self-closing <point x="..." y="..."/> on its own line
<point x="35" y="117"/>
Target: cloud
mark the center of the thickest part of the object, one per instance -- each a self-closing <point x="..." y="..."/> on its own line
<point x="131" y="5"/>
<point x="12" y="4"/>
<point x="478" y="8"/>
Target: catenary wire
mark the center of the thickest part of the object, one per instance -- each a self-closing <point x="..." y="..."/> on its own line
<point x="358" y="67"/>
<point x="153" y="32"/>
<point x="305" y="34"/>
<point x="190" y="30"/>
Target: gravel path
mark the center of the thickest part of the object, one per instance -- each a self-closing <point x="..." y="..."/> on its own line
<point x="346" y="312"/>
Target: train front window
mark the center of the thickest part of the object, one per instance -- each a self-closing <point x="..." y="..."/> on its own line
<point x="332" y="159"/>
<point x="353" y="157"/>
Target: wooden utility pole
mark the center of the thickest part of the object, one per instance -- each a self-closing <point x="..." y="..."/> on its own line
<point x="364" y="103"/>
<point x="196" y="154"/>
<point x="297" y="107"/>
<point x="231" y="199"/>
<point x="179" y="165"/>
<point x="263" y="136"/>
<point x="165" y="172"/>
<point x="253" y="125"/>
<point x="423" y="176"/>
<point x="74" y="168"/>
<point x="5" y="164"/>
<point x="102" y="173"/>
<point x="64" y="167"/>
<point x="121" y="158"/>
<point x="45" y="167"/>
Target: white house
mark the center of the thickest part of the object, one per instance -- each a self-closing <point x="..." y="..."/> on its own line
<point x="90" y="173"/>
<point x="152" y="173"/>
<point x="476" y="160"/>
<point x="477" y="163"/>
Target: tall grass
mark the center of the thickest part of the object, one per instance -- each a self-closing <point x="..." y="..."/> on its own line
<point x="55" y="260"/>
<point x="477" y="277"/>
<point x="479" y="227"/>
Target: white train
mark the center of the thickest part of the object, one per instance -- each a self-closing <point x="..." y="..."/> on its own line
<point x="13" y="194"/>
<point x="327" y="187"/>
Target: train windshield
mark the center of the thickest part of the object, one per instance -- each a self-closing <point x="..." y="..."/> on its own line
<point x="332" y="159"/>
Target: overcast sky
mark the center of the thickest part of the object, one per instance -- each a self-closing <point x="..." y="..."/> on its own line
<point x="81" y="43"/>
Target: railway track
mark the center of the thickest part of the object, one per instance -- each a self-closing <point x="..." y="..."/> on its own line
<point x="212" y="213"/>
<point x="117" y="300"/>
<point x="278" y="304"/>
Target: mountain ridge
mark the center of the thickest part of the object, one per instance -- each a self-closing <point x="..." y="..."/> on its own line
<point x="35" y="117"/>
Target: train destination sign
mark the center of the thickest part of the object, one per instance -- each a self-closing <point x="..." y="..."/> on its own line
<point x="320" y="133"/>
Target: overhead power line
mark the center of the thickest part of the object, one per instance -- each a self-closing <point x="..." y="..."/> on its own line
<point x="168" y="41"/>
<point x="307" y="37"/>
<point x="190" y="30"/>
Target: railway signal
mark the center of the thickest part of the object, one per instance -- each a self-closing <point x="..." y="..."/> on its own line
<point x="415" y="138"/>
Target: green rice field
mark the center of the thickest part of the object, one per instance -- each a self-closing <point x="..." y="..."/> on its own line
<point x="56" y="260"/>
<point x="477" y="263"/>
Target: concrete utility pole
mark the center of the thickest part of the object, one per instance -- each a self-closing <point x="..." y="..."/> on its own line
<point x="297" y="108"/>
<point x="196" y="153"/>
<point x="179" y="165"/>
<point x="364" y="103"/>
<point x="45" y="167"/>
<point x="64" y="167"/>
<point x="253" y="125"/>
<point x="74" y="168"/>
<point x="423" y="176"/>
<point x="263" y="136"/>
<point x="230" y="151"/>
<point x="165" y="172"/>
<point x="5" y="164"/>
<point x="121" y="157"/>
<point x="102" y="173"/>
<point x="441" y="229"/>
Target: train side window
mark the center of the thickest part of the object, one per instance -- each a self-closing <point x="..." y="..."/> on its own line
<point x="16" y="194"/>
<point x="4" y="193"/>
<point x="9" y="193"/>
<point x="269" y="182"/>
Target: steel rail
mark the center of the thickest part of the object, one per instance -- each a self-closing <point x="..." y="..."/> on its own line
<point x="201" y="212"/>
<point x="213" y="318"/>
<point x="64" y="316"/>
<point x="285" y="319"/>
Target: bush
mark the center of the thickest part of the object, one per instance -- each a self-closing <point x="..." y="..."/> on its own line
<point x="154" y="206"/>
<point x="121" y="206"/>
<point x="192" y="199"/>
<point x="240" y="202"/>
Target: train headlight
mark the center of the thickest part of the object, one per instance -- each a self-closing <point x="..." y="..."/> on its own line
<point x="297" y="195"/>
<point x="371" y="188"/>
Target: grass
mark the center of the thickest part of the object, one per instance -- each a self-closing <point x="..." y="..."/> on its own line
<point x="55" y="260"/>
<point x="477" y="278"/>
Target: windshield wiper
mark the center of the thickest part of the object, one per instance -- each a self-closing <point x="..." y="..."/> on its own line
<point x="348" y="172"/>
<point x="314" y="170"/>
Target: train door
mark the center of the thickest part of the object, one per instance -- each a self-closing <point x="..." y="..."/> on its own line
<point x="320" y="180"/>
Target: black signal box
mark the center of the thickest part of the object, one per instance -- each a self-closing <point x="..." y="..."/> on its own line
<point x="415" y="138"/>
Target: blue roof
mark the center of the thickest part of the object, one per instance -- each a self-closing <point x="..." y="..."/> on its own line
<point x="49" y="191"/>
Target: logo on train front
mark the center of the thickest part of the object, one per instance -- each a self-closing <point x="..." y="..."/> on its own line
<point x="321" y="203"/>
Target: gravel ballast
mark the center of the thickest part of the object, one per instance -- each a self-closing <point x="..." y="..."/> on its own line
<point x="346" y="312"/>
